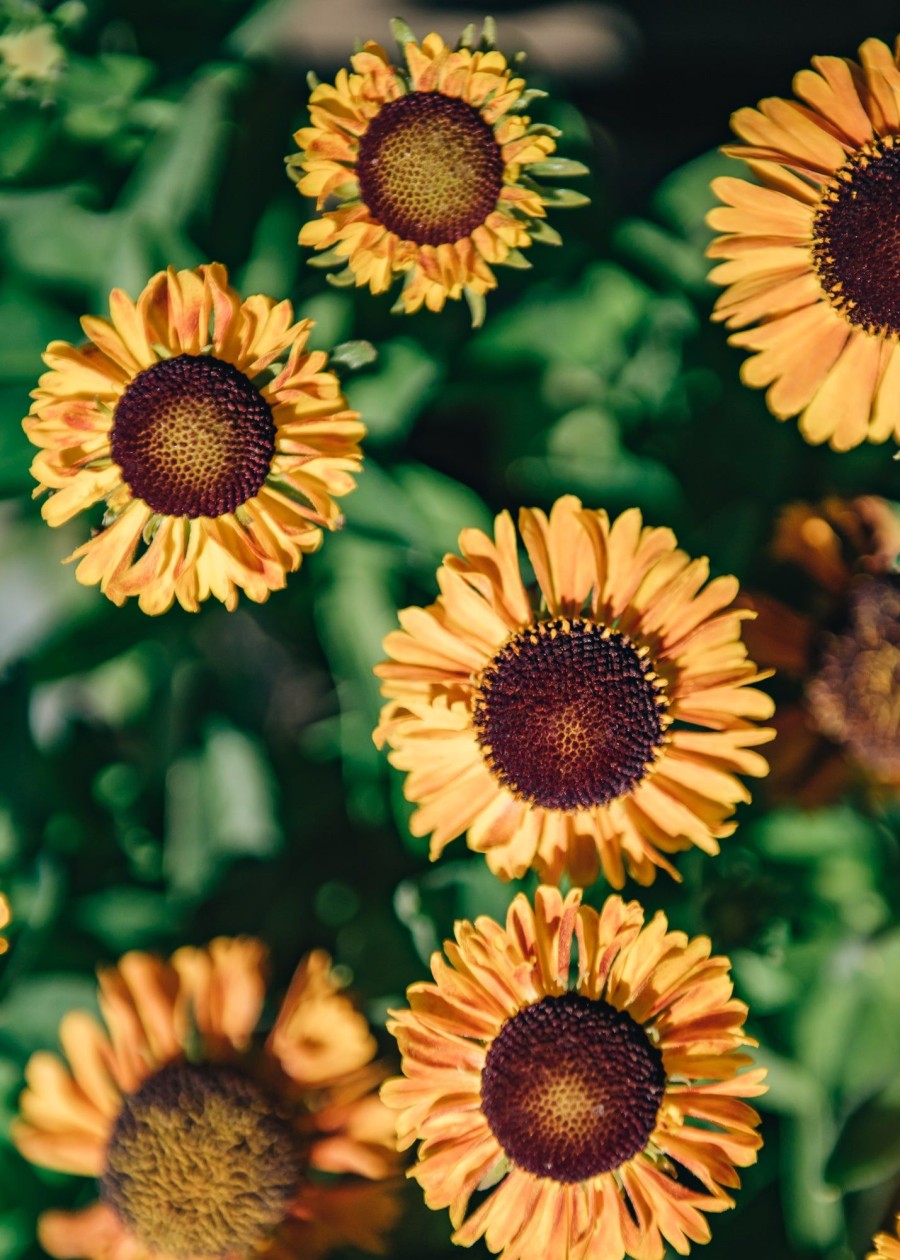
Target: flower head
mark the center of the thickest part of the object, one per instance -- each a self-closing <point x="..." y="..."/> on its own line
<point x="811" y="250"/>
<point x="208" y="1141"/>
<point x="598" y="718"/>
<point x="216" y="442"/>
<point x="607" y="1113"/>
<point x="426" y="170"/>
<point x="844" y="652"/>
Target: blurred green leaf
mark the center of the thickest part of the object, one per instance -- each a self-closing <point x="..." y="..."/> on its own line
<point x="390" y="400"/>
<point x="30" y="1013"/>
<point x="867" y="1151"/>
<point x="220" y="807"/>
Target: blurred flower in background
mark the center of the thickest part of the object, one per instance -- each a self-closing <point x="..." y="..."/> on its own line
<point x="205" y="1140"/>
<point x="845" y="731"/>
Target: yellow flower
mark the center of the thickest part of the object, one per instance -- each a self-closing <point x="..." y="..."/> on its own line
<point x="887" y="1246"/>
<point x="206" y="1140"/>
<point x="598" y="719"/>
<point x="812" y="264"/>
<point x="607" y="1111"/>
<point x="216" y="442"/>
<point x="426" y="170"/>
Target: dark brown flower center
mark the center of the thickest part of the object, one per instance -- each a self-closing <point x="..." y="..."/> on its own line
<point x="568" y="715"/>
<point x="571" y="1088"/>
<point x="856" y="238"/>
<point x="200" y="1163"/>
<point x="429" y="168"/>
<point x="193" y="437"/>
<point x="855" y="695"/>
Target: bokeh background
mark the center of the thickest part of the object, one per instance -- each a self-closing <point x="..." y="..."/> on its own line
<point x="163" y="781"/>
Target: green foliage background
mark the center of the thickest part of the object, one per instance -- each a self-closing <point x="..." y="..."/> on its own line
<point x="162" y="781"/>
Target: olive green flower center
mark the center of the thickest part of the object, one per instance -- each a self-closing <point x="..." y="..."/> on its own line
<point x="200" y="1163"/>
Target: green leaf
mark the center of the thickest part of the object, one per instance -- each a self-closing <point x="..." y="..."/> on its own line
<point x="30" y="1013"/>
<point x="867" y="1151"/>
<point x="124" y="918"/>
<point x="793" y="835"/>
<point x="391" y="398"/>
<point x="220" y="807"/>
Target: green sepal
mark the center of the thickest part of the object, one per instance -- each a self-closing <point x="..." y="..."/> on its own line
<point x="161" y="351"/>
<point x="515" y="258"/>
<point x="488" y="34"/>
<point x="353" y="355"/>
<point x="529" y="95"/>
<point x="148" y="533"/>
<point x="192" y="1041"/>
<point x="294" y="165"/>
<point x="467" y="38"/>
<point x="553" y="168"/>
<point x="566" y="198"/>
<point x="540" y="230"/>
<point x="401" y="32"/>
<point x="543" y="129"/>
<point x="341" y="279"/>
<point x="517" y="61"/>
<point x="477" y="306"/>
<point x="328" y="258"/>
<point x="357" y="45"/>
<point x="312" y="80"/>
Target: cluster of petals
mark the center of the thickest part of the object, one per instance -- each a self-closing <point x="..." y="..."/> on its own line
<point x="158" y="558"/>
<point x="622" y="574"/>
<point x="840" y="376"/>
<point x="670" y="985"/>
<point x="340" y="115"/>
<point x="154" y="1014"/>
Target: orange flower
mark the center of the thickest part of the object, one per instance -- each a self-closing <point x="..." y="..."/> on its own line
<point x="430" y="165"/>
<point x="607" y="1114"/>
<point x="811" y="249"/>
<point x="845" y="652"/>
<point x="217" y="444"/>
<point x="206" y="1140"/>
<point x="598" y="720"/>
